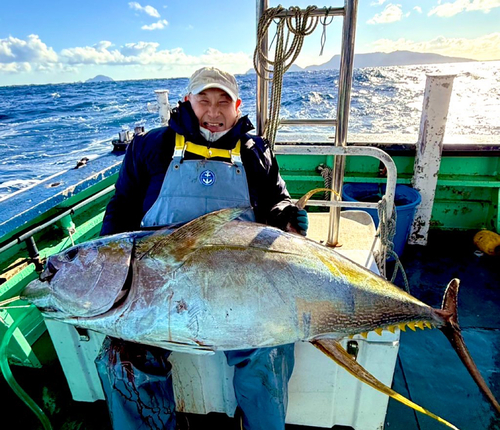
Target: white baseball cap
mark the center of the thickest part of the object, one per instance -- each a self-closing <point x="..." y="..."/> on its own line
<point x="211" y="77"/>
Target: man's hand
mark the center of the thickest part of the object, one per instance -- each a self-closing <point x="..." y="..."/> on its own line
<point x="298" y="221"/>
<point x="302" y="222"/>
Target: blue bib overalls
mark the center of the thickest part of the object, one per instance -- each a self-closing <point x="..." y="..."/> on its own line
<point x="137" y="378"/>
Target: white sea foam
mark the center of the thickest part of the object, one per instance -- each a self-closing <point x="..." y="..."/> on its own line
<point x="7" y="188"/>
<point x="49" y="126"/>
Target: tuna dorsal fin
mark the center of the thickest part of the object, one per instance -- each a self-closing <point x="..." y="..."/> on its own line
<point x="334" y="350"/>
<point x="186" y="239"/>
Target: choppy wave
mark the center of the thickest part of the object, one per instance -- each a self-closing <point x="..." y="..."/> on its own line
<point x="47" y="128"/>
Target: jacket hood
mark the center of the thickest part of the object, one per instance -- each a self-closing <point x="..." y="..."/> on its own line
<point x="184" y="121"/>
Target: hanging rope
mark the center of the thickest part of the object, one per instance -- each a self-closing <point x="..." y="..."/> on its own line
<point x="326" y="173"/>
<point x="289" y="38"/>
<point x="386" y="231"/>
<point x="325" y="24"/>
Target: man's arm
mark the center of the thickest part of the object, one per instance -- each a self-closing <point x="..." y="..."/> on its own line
<point x="124" y="211"/>
<point x="284" y="214"/>
<point x="275" y="206"/>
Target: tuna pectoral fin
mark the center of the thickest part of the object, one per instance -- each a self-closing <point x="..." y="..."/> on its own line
<point x="451" y="330"/>
<point x="338" y="354"/>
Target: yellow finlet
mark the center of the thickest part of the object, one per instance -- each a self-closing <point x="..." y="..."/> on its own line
<point x="378" y="331"/>
<point x="428" y="324"/>
<point x="364" y="334"/>
<point x="391" y="328"/>
<point x="402" y="327"/>
<point x="411" y="325"/>
<point x="420" y="325"/>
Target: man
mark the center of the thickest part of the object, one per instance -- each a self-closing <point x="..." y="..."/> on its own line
<point x="203" y="161"/>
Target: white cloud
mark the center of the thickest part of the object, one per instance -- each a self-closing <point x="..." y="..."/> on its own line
<point x="144" y="59"/>
<point x="146" y="53"/>
<point x="150" y="10"/>
<point x="162" y="23"/>
<point x="97" y="54"/>
<point x="32" y="50"/>
<point x="391" y="13"/>
<point x="458" y="6"/>
<point x="482" y="48"/>
<point x="13" y="68"/>
<point x="417" y="9"/>
<point x="139" y="48"/>
<point x="18" y="56"/>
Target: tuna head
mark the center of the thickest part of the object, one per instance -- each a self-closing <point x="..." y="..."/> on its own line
<point x="84" y="280"/>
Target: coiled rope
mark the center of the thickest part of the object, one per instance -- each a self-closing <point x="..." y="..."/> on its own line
<point x="289" y="39"/>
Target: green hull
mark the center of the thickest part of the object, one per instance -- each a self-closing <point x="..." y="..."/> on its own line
<point x="467" y="198"/>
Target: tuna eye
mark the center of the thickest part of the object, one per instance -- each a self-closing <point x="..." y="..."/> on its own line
<point x="71" y="254"/>
<point x="48" y="273"/>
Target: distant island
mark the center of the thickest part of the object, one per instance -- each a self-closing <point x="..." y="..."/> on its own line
<point x="100" y="78"/>
<point x="382" y="59"/>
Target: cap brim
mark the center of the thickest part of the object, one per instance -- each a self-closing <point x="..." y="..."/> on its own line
<point x="231" y="94"/>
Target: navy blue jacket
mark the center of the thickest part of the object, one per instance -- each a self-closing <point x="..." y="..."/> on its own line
<point x="148" y="157"/>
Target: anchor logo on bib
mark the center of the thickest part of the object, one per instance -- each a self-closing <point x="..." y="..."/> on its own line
<point x="207" y="178"/>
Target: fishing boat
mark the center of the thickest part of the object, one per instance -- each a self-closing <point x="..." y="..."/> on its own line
<point x="459" y="188"/>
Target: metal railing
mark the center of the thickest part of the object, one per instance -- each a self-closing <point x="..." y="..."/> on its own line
<point x="349" y="12"/>
<point x="344" y="151"/>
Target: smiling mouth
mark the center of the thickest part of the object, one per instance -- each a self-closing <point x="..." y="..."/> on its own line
<point x="212" y="124"/>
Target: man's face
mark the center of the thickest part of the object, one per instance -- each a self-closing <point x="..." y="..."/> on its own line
<point x="215" y="109"/>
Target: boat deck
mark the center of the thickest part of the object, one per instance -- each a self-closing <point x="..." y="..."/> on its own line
<point x="428" y="370"/>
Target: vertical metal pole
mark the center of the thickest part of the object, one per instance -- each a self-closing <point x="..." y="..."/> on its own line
<point x="428" y="151"/>
<point x="163" y="105"/>
<point x="33" y="253"/>
<point x="262" y="84"/>
<point x="343" y="106"/>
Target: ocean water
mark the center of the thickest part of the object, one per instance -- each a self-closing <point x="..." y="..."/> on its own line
<point x="47" y="128"/>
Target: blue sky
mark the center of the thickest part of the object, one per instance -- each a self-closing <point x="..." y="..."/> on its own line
<point x="64" y="41"/>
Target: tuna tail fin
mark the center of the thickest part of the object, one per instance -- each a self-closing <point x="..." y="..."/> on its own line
<point x="452" y="331"/>
<point x="334" y="350"/>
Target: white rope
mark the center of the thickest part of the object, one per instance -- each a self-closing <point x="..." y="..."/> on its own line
<point x="386" y="231"/>
<point x="326" y="173"/>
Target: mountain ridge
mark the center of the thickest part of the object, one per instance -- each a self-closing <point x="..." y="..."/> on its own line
<point x="395" y="58"/>
<point x="383" y="59"/>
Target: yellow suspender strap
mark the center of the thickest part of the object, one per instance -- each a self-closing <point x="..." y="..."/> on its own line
<point x="205" y="152"/>
<point x="179" y="142"/>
